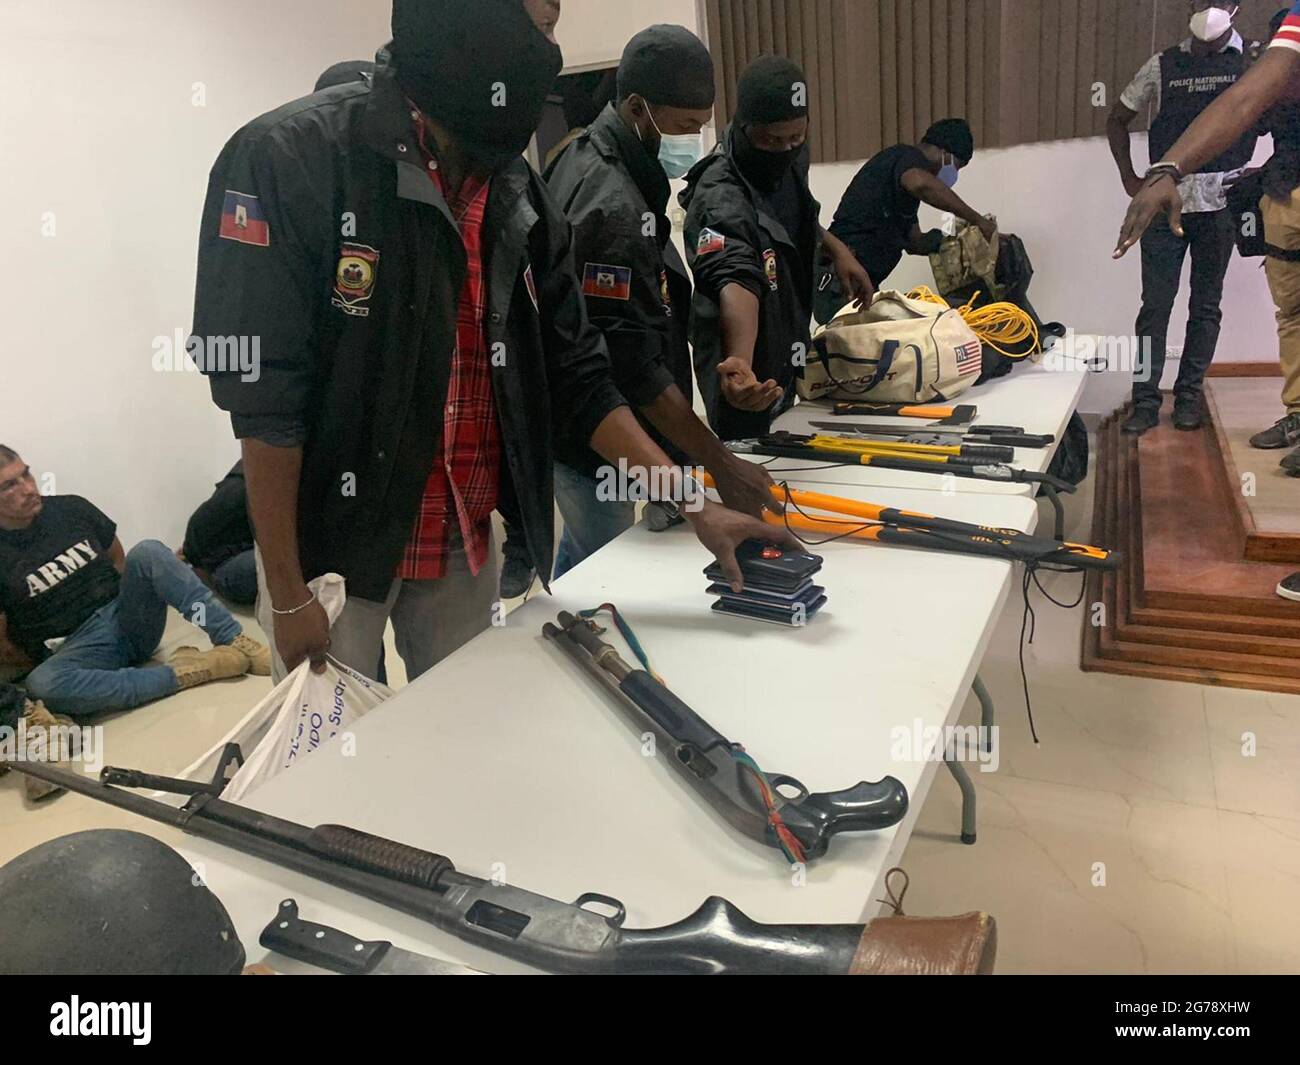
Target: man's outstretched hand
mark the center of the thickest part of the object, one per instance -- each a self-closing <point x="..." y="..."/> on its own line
<point x="1155" y="197"/>
<point x="722" y="531"/>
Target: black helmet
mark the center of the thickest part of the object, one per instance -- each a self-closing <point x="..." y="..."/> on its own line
<point x="107" y="902"/>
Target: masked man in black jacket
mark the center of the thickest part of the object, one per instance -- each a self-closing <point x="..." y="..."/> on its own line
<point x="403" y="288"/>
<point x="612" y="183"/>
<point x="752" y="240"/>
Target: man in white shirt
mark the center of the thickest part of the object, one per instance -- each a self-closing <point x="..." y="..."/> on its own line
<point x="1180" y="83"/>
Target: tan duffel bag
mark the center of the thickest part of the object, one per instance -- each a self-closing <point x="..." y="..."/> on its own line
<point x="898" y="350"/>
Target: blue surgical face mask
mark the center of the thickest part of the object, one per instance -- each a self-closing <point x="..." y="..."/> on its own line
<point x="678" y="152"/>
<point x="949" y="173"/>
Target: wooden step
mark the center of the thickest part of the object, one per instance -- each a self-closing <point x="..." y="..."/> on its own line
<point x="1261" y="544"/>
<point x="1232" y="648"/>
<point x="1195" y="630"/>
<point x="1192" y="551"/>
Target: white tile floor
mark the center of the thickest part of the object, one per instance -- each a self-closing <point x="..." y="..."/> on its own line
<point x="1138" y="838"/>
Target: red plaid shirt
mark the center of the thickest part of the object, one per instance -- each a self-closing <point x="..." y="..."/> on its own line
<point x="463" y="484"/>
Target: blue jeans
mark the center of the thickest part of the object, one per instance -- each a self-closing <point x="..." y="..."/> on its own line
<point x="235" y="580"/>
<point x="98" y="668"/>
<point x="589" y="523"/>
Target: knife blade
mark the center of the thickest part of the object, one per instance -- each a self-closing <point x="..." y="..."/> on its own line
<point x="328" y="948"/>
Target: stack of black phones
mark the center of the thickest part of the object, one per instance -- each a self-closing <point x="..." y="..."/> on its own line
<point x="778" y="585"/>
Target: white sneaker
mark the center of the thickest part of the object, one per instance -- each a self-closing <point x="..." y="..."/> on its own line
<point x="1290" y="588"/>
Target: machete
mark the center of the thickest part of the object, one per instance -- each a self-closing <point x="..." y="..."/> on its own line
<point x="328" y="948"/>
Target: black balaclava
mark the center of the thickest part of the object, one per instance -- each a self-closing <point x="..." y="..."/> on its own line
<point x="772" y="89"/>
<point x="482" y="68"/>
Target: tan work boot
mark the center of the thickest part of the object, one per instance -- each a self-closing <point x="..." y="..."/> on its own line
<point x="194" y="667"/>
<point x="258" y="655"/>
<point x="43" y="740"/>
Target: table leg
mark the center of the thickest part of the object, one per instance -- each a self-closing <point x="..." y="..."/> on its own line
<point x="986" y="714"/>
<point x="963" y="779"/>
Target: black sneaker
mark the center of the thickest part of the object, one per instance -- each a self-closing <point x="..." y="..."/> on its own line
<point x="1290" y="588"/>
<point x="1188" y="417"/>
<point x="1286" y="433"/>
<point x="517" y="571"/>
<point x="1142" y="420"/>
<point x="1292" y="463"/>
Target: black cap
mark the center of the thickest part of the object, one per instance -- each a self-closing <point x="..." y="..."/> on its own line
<point x="667" y="66"/>
<point x="952" y="135"/>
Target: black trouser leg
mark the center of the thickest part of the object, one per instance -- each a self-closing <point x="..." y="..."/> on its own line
<point x="1211" y="238"/>
<point x="1163" y="252"/>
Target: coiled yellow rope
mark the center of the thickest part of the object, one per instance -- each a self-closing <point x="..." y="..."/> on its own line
<point x="995" y="324"/>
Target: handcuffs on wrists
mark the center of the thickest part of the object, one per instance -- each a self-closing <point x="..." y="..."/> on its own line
<point x="1163" y="169"/>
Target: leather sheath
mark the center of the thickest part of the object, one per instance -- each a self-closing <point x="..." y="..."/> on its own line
<point x="927" y="946"/>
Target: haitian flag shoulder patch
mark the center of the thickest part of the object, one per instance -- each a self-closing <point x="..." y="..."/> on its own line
<point x="242" y="220"/>
<point x="607" y="282"/>
<point x="710" y="241"/>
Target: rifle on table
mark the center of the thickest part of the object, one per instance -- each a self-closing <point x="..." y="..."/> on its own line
<point x="728" y="778"/>
<point x="563" y="937"/>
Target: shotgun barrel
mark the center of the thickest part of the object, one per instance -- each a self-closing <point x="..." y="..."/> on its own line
<point x="561" y="937"/>
<point x="729" y="781"/>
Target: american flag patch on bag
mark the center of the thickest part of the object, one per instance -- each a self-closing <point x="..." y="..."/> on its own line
<point x="970" y="358"/>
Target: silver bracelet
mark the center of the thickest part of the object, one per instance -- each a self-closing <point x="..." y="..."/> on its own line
<point x="295" y="610"/>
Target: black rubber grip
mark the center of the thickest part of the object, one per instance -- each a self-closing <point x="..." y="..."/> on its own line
<point x="374" y="854"/>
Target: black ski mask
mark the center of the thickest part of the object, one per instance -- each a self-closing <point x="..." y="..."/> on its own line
<point x="765" y="170"/>
<point x="771" y="89"/>
<point x="482" y="68"/>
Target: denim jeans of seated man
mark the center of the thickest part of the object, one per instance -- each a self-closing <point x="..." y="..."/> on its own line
<point x="101" y="666"/>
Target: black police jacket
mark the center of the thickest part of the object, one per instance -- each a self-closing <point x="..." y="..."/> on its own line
<point x="326" y="247"/>
<point x="733" y="237"/>
<point x="636" y="286"/>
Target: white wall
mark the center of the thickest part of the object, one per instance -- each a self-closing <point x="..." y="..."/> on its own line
<point x="100" y="130"/>
<point x="594" y="32"/>
<point x="1064" y="199"/>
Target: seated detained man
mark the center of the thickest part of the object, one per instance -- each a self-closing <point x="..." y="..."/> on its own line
<point x="82" y="616"/>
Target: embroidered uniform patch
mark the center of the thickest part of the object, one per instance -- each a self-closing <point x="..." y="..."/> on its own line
<point x="242" y="220"/>
<point x="970" y="358"/>
<point x="354" y="279"/>
<point x="769" y="267"/>
<point x="607" y="282"/>
<point x="710" y="241"/>
<point x="663" y="293"/>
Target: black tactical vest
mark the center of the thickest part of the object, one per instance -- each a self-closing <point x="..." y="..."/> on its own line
<point x="1188" y="85"/>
